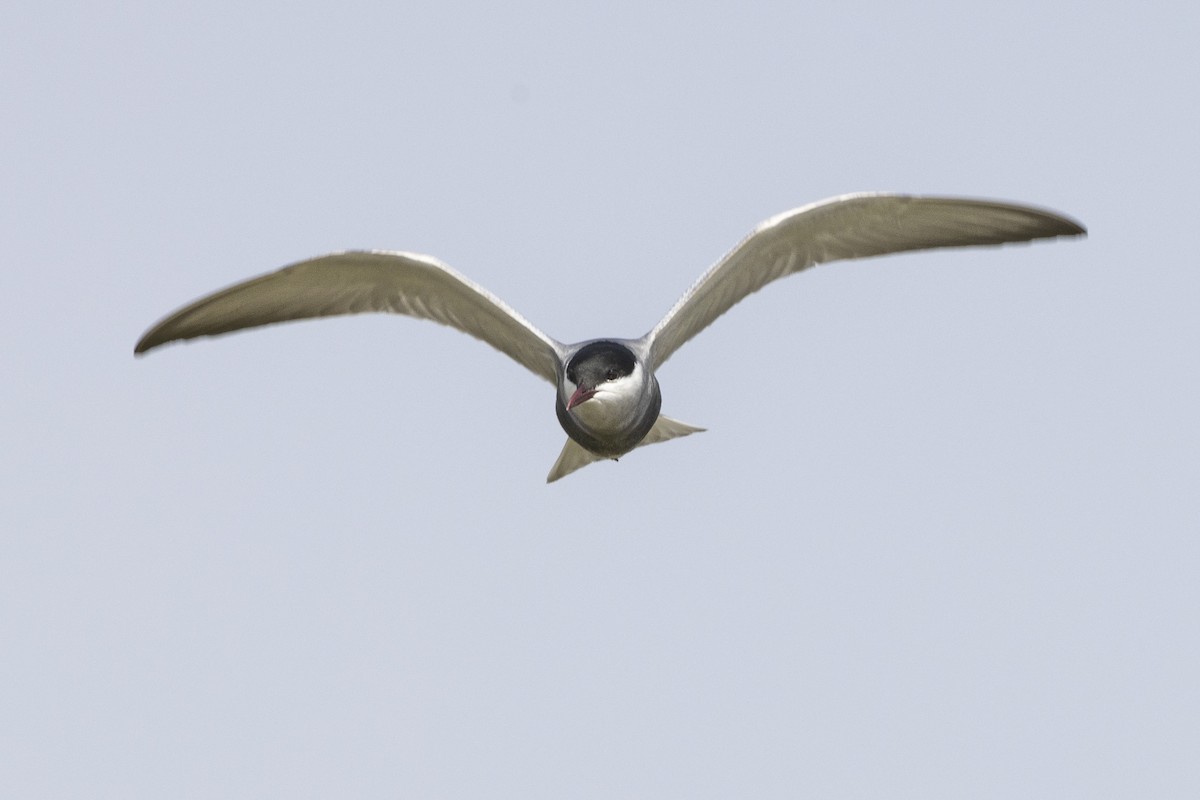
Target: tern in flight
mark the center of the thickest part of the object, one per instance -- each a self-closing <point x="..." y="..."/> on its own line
<point x="608" y="398"/>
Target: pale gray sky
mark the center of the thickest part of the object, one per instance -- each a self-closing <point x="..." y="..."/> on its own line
<point x="939" y="541"/>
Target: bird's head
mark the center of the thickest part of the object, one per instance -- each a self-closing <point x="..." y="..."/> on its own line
<point x="600" y="372"/>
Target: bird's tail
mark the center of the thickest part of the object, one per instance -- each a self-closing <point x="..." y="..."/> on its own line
<point x="574" y="456"/>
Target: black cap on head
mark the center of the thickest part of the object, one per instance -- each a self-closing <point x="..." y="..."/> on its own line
<point x="598" y="362"/>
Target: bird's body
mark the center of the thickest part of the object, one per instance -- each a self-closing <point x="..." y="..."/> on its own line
<point x="608" y="398"/>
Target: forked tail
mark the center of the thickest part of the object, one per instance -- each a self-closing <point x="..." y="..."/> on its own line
<point x="574" y="456"/>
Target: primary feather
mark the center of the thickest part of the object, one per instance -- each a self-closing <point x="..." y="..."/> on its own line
<point x="361" y="281"/>
<point x="850" y="226"/>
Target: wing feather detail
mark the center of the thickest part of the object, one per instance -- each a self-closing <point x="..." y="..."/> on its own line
<point x="358" y="282"/>
<point x="846" y="227"/>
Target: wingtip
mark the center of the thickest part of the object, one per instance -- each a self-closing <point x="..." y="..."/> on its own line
<point x="144" y="345"/>
<point x="1068" y="226"/>
<point x="156" y="337"/>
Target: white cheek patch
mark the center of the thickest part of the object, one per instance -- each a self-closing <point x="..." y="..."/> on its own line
<point x="613" y="404"/>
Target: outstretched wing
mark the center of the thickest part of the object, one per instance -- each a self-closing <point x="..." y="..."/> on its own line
<point x="850" y="226"/>
<point x="360" y="281"/>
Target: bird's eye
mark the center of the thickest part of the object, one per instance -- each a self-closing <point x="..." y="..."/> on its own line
<point x="613" y="373"/>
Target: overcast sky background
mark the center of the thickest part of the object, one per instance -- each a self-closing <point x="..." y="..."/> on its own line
<point x="939" y="541"/>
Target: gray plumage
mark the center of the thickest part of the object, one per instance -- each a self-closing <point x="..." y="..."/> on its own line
<point x="608" y="397"/>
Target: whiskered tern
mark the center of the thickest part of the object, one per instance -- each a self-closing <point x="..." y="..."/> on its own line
<point x="608" y="398"/>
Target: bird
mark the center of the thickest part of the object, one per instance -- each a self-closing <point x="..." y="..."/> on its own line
<point x="608" y="398"/>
